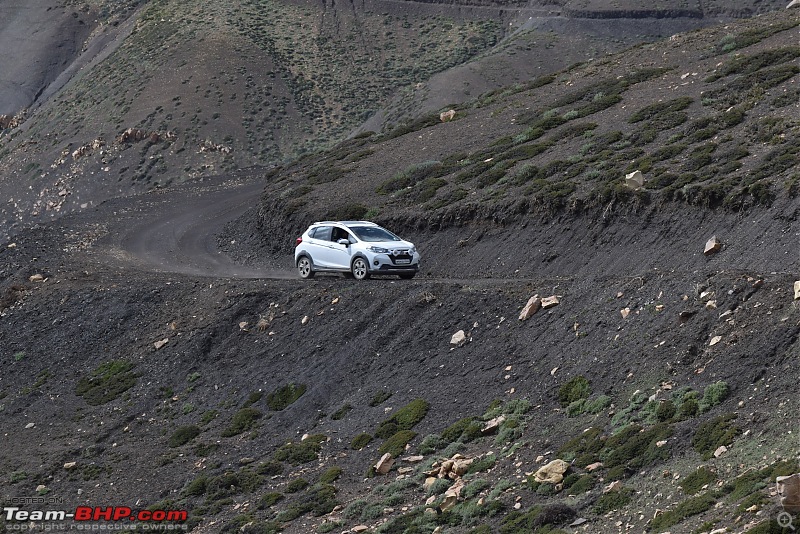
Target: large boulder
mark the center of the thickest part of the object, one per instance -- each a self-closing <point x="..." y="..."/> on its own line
<point x="552" y="473"/>
<point x="789" y="490"/>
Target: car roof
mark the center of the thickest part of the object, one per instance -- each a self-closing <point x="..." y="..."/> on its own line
<point x="346" y="223"/>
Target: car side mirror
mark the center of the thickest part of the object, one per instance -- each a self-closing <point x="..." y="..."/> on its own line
<point x="345" y="242"/>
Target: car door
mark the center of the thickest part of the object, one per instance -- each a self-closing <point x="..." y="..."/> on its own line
<point x="319" y="246"/>
<point x="339" y="253"/>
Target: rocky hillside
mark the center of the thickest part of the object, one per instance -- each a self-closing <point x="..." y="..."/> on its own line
<point x="579" y="354"/>
<point x="142" y="94"/>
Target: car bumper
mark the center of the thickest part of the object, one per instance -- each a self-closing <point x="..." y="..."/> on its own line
<point x="384" y="264"/>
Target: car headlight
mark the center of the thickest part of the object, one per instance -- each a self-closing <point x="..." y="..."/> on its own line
<point x="378" y="250"/>
<point x="413" y="250"/>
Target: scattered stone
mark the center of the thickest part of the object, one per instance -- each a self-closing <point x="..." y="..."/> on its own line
<point x="725" y="314"/>
<point x="384" y="464"/>
<point x="532" y="306"/>
<point x="41" y="488"/>
<point x="661" y="443"/>
<point x="549" y="302"/>
<point x="430" y="500"/>
<point x="70" y="465"/>
<point x="36" y="278"/>
<point x="447" y="116"/>
<point x="517" y="505"/>
<point x="634" y="180"/>
<point x="493" y="425"/>
<point x="594" y="467"/>
<point x="711" y="305"/>
<point x="797" y="290"/>
<point x="413" y="459"/>
<point x="789" y="491"/>
<point x="359" y="528"/>
<point x="625" y="312"/>
<point x="460" y="467"/>
<point x="722" y="449"/>
<point x="713" y="246"/>
<point x="159" y="344"/>
<point x="685" y="315"/>
<point x="459" y="338"/>
<point x="614" y="486"/>
<point x="304" y="320"/>
<point x="714" y="340"/>
<point x="758" y="283"/>
<point x="405" y="470"/>
<point x="752" y="508"/>
<point x="30" y="425"/>
<point x="706" y="295"/>
<point x="578" y="522"/>
<point x="243" y="326"/>
<point x="246" y="460"/>
<point x="428" y="482"/>
<point x="553" y="472"/>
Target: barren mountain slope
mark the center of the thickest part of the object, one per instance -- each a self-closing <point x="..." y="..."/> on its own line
<point x="664" y="379"/>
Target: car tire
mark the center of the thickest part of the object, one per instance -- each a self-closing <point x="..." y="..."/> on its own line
<point x="407" y="276"/>
<point x="305" y="267"/>
<point x="360" y="269"/>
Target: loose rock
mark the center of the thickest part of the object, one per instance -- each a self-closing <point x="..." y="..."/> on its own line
<point x="713" y="246"/>
<point x="789" y="491"/>
<point x="549" y="302"/>
<point x="532" y="306"/>
<point x="384" y="464"/>
<point x="552" y="473"/>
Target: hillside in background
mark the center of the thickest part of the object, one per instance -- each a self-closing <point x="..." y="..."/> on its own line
<point x="145" y="94"/>
<point x="160" y="353"/>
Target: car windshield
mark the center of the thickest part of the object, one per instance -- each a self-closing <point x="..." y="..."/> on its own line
<point x="373" y="233"/>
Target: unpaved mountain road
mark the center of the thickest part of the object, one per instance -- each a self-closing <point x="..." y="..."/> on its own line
<point x="175" y="230"/>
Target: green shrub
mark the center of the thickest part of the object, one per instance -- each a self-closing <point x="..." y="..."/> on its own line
<point x="319" y="500"/>
<point x="439" y="486"/>
<point x="352" y="211"/>
<point x="575" y="484"/>
<point x="107" y="382"/>
<point x="396" y="444"/>
<point x="270" y="499"/>
<point x="360" y="441"/>
<point x="694" y="482"/>
<point x="183" y="435"/>
<point x="613" y="500"/>
<point x="482" y="464"/>
<point x="341" y="412"/>
<point x="302" y="452"/>
<point x="713" y="395"/>
<point x="269" y="468"/>
<point x="253" y="398"/>
<point x="284" y="396"/>
<point x="597" y="405"/>
<point x="403" y="419"/>
<point x="665" y="411"/>
<point x="575" y="389"/>
<point x="474" y="487"/>
<point x="379" y="398"/>
<point x="196" y="487"/>
<point x="244" y="420"/>
<point x="635" y="447"/>
<point x="584" y="448"/>
<point x="296" y="485"/>
<point x="464" y="430"/>
<point x="714" y="433"/>
<point x="330" y="475"/>
<point x="689" y="507"/>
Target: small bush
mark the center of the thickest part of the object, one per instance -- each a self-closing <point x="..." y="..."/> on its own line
<point x="403" y="419"/>
<point x="360" y="441"/>
<point x="244" y="420"/>
<point x="464" y="430"/>
<point x="270" y="499"/>
<point x="597" y="405"/>
<point x="482" y="464"/>
<point x="474" y="487"/>
<point x="269" y="468"/>
<point x="665" y="411"/>
<point x="196" y="487"/>
<point x="714" y="433"/>
<point x="284" y="396"/>
<point x="107" y="382"/>
<point x="439" y="486"/>
<point x="341" y="412"/>
<point x="694" y="482"/>
<point x="296" y="485"/>
<point x="253" y="398"/>
<point x="613" y="500"/>
<point x="575" y="389"/>
<point x="396" y="444"/>
<point x="330" y="475"/>
<point x="379" y="398"/>
<point x="687" y="508"/>
<point x="714" y="395"/>
<point x="302" y="452"/>
<point x="183" y="435"/>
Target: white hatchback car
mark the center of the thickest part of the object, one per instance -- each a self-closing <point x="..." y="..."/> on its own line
<point x="355" y="248"/>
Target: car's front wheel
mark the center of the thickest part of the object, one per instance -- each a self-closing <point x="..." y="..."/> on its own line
<point x="360" y="269"/>
<point x="305" y="268"/>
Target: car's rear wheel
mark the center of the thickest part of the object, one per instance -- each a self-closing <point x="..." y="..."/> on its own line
<point x="360" y="269"/>
<point x="407" y="276"/>
<point x="305" y="268"/>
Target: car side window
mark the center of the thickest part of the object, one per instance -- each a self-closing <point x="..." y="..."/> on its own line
<point x="339" y="233"/>
<point x="322" y="232"/>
